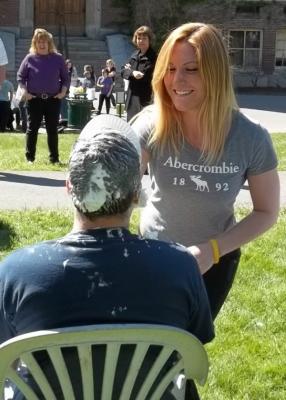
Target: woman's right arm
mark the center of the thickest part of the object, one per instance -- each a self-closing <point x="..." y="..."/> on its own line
<point x="22" y="77"/>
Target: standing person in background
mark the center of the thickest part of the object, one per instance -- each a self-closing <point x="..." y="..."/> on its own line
<point x="89" y="68"/>
<point x="200" y="149"/>
<point x="44" y="77"/>
<point x="3" y="106"/>
<point x="111" y="68"/>
<point x="88" y="81"/>
<point x="72" y="73"/>
<point x="14" y="115"/>
<point x="138" y="71"/>
<point x="105" y="83"/>
<point x="6" y="95"/>
<point x="3" y="61"/>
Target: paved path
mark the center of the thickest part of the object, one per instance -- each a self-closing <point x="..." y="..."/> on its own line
<point x="269" y="110"/>
<point x="27" y="190"/>
<point x="46" y="190"/>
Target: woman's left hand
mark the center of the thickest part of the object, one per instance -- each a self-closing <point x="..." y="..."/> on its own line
<point x="138" y="74"/>
<point x="204" y="255"/>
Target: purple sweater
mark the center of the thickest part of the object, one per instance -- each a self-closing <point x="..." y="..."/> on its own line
<point x="43" y="73"/>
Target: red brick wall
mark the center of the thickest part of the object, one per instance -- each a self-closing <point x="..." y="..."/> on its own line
<point x="112" y="16"/>
<point x="223" y="14"/>
<point x="9" y="13"/>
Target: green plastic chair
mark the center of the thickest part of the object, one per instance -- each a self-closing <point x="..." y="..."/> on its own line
<point x="177" y="351"/>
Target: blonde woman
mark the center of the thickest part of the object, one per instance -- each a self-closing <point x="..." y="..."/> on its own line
<point x="200" y="150"/>
<point x="111" y="68"/>
<point x="44" y="78"/>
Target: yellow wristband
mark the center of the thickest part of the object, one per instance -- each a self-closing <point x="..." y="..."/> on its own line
<point x="216" y="255"/>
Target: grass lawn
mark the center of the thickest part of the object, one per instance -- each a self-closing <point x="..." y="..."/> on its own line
<point x="279" y="141"/>
<point x="247" y="356"/>
<point x="13" y="152"/>
<point x="13" y="157"/>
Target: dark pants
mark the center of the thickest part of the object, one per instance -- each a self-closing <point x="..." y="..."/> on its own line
<point x="218" y="280"/>
<point x="38" y="108"/>
<point x="133" y="107"/>
<point x="23" y="115"/>
<point x="103" y="97"/>
<point x="13" y="112"/>
<point x="112" y="99"/>
<point x="4" y="114"/>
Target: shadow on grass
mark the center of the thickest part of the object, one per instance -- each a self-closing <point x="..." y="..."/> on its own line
<point x="7" y="234"/>
<point x="31" y="180"/>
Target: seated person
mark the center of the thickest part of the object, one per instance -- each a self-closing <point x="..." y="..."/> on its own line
<point x="100" y="272"/>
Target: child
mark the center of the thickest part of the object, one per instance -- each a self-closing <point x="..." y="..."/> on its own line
<point x="105" y="83"/>
<point x="88" y="81"/>
<point x="6" y="95"/>
<point x="90" y="68"/>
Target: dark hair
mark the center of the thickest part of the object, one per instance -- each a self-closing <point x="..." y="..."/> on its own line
<point x="143" y="30"/>
<point x="104" y="172"/>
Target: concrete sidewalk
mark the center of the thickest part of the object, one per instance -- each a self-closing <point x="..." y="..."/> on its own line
<point x="46" y="190"/>
<point x="28" y="190"/>
<point x="269" y="110"/>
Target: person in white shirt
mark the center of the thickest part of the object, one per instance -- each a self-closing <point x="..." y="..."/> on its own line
<point x="3" y="54"/>
<point x="3" y="61"/>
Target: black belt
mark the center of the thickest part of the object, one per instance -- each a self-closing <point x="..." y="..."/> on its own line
<point x="43" y="96"/>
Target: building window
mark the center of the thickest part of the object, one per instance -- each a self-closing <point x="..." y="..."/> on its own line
<point x="247" y="9"/>
<point x="280" y="49"/>
<point x="245" y="49"/>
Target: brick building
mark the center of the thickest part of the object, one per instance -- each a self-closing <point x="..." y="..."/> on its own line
<point x="85" y="23"/>
<point x="255" y="29"/>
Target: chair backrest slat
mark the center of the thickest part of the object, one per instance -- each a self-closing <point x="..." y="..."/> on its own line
<point x="137" y="359"/>
<point x="62" y="372"/>
<point x="21" y="385"/>
<point x="162" y="386"/>
<point x="147" y="361"/>
<point x="85" y="359"/>
<point x="153" y="373"/>
<point x="111" y="358"/>
<point x="38" y="375"/>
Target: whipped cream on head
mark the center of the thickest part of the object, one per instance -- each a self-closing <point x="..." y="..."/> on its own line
<point x="104" y="173"/>
<point x="97" y="192"/>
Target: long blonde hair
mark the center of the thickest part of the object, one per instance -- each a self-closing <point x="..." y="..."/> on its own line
<point x="215" y="113"/>
<point x="42" y="34"/>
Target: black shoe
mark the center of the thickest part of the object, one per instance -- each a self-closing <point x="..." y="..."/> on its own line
<point x="61" y="129"/>
<point x="56" y="162"/>
<point x="63" y="122"/>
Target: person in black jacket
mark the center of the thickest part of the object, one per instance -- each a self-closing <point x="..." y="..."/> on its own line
<point x="138" y="71"/>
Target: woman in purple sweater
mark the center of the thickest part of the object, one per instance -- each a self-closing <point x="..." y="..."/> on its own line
<point x="44" y="79"/>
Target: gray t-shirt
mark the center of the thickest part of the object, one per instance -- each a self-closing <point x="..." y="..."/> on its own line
<point x="192" y="201"/>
